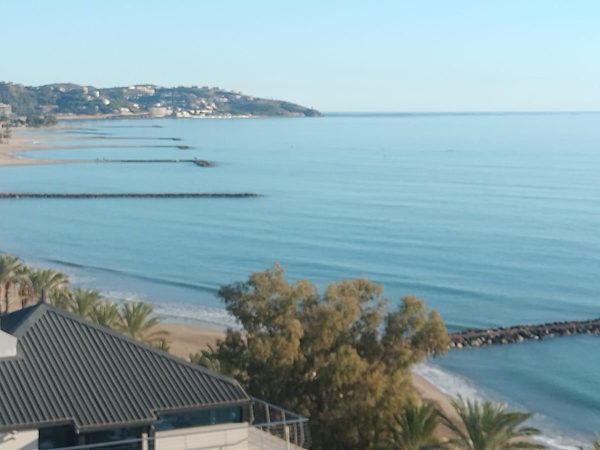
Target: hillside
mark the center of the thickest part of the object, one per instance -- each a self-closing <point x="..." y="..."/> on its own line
<point x="66" y="99"/>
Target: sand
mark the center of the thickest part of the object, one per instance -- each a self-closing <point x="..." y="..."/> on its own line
<point x="23" y="140"/>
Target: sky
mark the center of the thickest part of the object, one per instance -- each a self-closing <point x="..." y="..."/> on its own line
<point x="418" y="55"/>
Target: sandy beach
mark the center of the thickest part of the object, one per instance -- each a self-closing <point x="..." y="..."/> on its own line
<point x="23" y="140"/>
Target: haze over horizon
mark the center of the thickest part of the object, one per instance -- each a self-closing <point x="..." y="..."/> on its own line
<point x="339" y="56"/>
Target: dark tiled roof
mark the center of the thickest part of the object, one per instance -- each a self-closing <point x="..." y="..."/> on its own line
<point x="71" y="371"/>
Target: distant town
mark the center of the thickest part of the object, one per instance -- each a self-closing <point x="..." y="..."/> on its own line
<point x="39" y="105"/>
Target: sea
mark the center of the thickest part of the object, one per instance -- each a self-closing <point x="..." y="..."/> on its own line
<point x="493" y="219"/>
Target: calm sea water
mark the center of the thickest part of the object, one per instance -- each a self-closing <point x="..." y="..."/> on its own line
<point x="493" y="219"/>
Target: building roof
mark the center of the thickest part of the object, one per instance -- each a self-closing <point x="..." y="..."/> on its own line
<point x="69" y="370"/>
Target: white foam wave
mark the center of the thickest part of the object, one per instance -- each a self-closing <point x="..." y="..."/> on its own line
<point x="178" y="312"/>
<point x="454" y="385"/>
<point x="450" y="384"/>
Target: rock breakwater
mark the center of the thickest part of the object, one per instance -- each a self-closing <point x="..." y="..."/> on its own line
<point x="521" y="333"/>
<point x="97" y="195"/>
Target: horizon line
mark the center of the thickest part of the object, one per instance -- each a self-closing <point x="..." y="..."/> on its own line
<point x="474" y="112"/>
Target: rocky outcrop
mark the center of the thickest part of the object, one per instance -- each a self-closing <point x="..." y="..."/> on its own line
<point x="521" y="333"/>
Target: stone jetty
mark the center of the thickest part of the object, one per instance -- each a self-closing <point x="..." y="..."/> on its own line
<point x="198" y="162"/>
<point x="521" y="333"/>
<point x="97" y="195"/>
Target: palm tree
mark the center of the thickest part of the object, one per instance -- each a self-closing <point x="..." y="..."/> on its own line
<point x="138" y="323"/>
<point x="12" y="272"/>
<point x="414" y="428"/>
<point x="107" y="314"/>
<point x="489" y="426"/>
<point x="597" y="444"/>
<point x="47" y="282"/>
<point x="84" y="302"/>
<point x="162" y="344"/>
<point x="63" y="299"/>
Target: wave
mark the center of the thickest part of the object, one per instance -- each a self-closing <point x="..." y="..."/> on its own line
<point x="156" y="280"/>
<point x="171" y="311"/>
<point x="454" y="385"/>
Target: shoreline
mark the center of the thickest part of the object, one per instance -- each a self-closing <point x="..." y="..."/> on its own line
<point x="22" y="140"/>
<point x="39" y="139"/>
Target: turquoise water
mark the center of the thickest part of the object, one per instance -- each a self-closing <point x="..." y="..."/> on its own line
<point x="493" y="219"/>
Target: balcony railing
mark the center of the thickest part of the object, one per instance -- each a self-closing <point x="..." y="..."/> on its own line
<point x="292" y="428"/>
<point x="271" y="428"/>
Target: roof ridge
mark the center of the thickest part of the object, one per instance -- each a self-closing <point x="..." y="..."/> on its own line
<point x="26" y="317"/>
<point x="135" y="342"/>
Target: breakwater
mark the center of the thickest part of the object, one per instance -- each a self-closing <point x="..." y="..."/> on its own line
<point x="96" y="195"/>
<point x="521" y="333"/>
<point x="198" y="162"/>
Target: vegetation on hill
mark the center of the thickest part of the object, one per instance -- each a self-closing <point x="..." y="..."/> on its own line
<point x="68" y="98"/>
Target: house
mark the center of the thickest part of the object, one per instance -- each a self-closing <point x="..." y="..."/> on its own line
<point x="68" y="383"/>
<point x="5" y="110"/>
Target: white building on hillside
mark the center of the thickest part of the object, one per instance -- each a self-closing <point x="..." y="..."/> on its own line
<point x="5" y="110"/>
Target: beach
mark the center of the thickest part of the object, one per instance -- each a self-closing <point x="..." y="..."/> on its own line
<point x="478" y="244"/>
<point x="23" y="140"/>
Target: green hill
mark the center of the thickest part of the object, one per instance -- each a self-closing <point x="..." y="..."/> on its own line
<point x="142" y="100"/>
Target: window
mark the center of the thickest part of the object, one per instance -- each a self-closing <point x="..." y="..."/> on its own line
<point x="57" y="437"/>
<point x="202" y="417"/>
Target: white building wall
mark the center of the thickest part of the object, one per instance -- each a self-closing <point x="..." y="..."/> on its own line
<point x="232" y="436"/>
<point x="19" y="440"/>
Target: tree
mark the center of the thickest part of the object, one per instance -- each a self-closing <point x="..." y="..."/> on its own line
<point x="414" y="428"/>
<point x="12" y="273"/>
<point x="597" y="444"/>
<point x="138" y="323"/>
<point x="62" y="298"/>
<point x="47" y="282"/>
<point x="205" y="358"/>
<point x="107" y="314"/>
<point x="489" y="426"/>
<point x="84" y="303"/>
<point x="336" y="357"/>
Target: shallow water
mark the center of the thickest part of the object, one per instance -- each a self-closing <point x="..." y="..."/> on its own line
<point x="493" y="219"/>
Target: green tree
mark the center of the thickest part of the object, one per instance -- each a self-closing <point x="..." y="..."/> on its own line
<point x="84" y="302"/>
<point x="47" y="282"/>
<point x="206" y="359"/>
<point x="489" y="426"/>
<point x="62" y="298"/>
<point x="107" y="314"/>
<point x="414" y="428"/>
<point x="138" y="323"/>
<point x="336" y="357"/>
<point x="12" y="272"/>
<point x="162" y="344"/>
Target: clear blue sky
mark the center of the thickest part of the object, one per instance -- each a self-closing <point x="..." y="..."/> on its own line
<point x="418" y="55"/>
